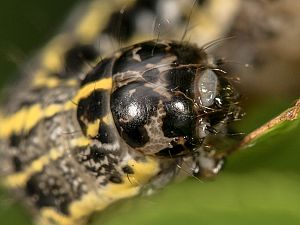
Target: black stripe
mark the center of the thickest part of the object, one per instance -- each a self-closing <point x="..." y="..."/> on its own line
<point x="106" y="134"/>
<point x="102" y="70"/>
<point x="93" y="107"/>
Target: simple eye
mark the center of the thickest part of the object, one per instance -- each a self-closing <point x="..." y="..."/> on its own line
<point x="208" y="83"/>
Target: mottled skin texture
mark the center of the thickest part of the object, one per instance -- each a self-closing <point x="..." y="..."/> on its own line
<point x="80" y="132"/>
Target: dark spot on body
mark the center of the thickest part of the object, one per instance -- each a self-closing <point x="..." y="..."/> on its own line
<point x="128" y="170"/>
<point x="97" y="154"/>
<point x="115" y="178"/>
<point x="201" y="2"/>
<point x="14" y="140"/>
<point x="102" y="70"/>
<point x="121" y="26"/>
<point x="77" y="57"/>
<point x="106" y="134"/>
<point x="95" y="106"/>
<point x="17" y="163"/>
<point x="50" y="196"/>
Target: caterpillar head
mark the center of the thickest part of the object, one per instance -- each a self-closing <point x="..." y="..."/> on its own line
<point x="166" y="98"/>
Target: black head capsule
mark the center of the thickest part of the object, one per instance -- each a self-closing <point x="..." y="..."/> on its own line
<point x="166" y="98"/>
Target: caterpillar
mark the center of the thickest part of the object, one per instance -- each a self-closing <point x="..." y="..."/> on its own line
<point x="80" y="131"/>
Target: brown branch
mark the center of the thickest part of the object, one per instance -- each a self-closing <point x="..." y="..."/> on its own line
<point x="290" y="114"/>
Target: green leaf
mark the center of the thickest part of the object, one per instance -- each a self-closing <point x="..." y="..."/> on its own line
<point x="254" y="198"/>
<point x="286" y="121"/>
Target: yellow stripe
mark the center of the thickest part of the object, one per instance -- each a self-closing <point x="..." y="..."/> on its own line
<point x="101" y="198"/>
<point x="94" y="200"/>
<point x="85" y="91"/>
<point x="26" y="118"/>
<point x="81" y="141"/>
<point x="107" y="119"/>
<point x="53" y="55"/>
<point x="19" y="179"/>
<point x="144" y="170"/>
<point x="212" y="20"/>
<point x="93" y="128"/>
<point x="99" y="14"/>
<point x="51" y="58"/>
<point x="41" y="79"/>
<point x="96" y="17"/>
<point x="95" y="20"/>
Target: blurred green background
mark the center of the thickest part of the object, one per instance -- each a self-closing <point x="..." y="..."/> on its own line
<point x="257" y="186"/>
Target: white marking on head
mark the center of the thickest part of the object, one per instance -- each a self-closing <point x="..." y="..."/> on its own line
<point x="207" y="85"/>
